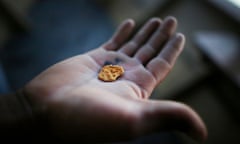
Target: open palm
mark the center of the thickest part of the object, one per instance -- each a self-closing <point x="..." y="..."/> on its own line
<point x="79" y="106"/>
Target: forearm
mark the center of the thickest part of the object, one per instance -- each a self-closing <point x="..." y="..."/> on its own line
<point x="15" y="112"/>
<point x="17" y="119"/>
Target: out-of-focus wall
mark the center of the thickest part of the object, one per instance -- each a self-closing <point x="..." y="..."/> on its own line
<point x="12" y="15"/>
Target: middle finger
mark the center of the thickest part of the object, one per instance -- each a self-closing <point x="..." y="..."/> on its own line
<point x="157" y="40"/>
<point x="142" y="36"/>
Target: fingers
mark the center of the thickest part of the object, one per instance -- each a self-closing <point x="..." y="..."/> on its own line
<point x="173" y="48"/>
<point x="160" y="116"/>
<point x="120" y="36"/>
<point x="141" y="37"/>
<point x="157" y="40"/>
<point x="164" y="61"/>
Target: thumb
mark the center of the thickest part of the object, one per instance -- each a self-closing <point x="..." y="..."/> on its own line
<point x="168" y="115"/>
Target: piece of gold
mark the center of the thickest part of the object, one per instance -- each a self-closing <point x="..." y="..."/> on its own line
<point x="110" y="73"/>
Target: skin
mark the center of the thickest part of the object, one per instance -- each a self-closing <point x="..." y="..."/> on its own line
<point x="78" y="106"/>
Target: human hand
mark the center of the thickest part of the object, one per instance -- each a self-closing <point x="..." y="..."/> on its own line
<point x="79" y="106"/>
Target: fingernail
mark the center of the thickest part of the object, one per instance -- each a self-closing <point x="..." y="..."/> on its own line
<point x="170" y="19"/>
<point x="155" y="19"/>
<point x="130" y="21"/>
<point x="180" y="37"/>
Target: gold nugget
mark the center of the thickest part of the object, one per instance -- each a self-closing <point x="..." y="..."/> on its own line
<point x="110" y="73"/>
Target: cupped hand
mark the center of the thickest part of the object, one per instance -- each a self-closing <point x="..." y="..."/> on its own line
<point x="79" y="106"/>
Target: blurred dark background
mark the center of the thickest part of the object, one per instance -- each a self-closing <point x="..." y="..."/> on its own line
<point x="37" y="33"/>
